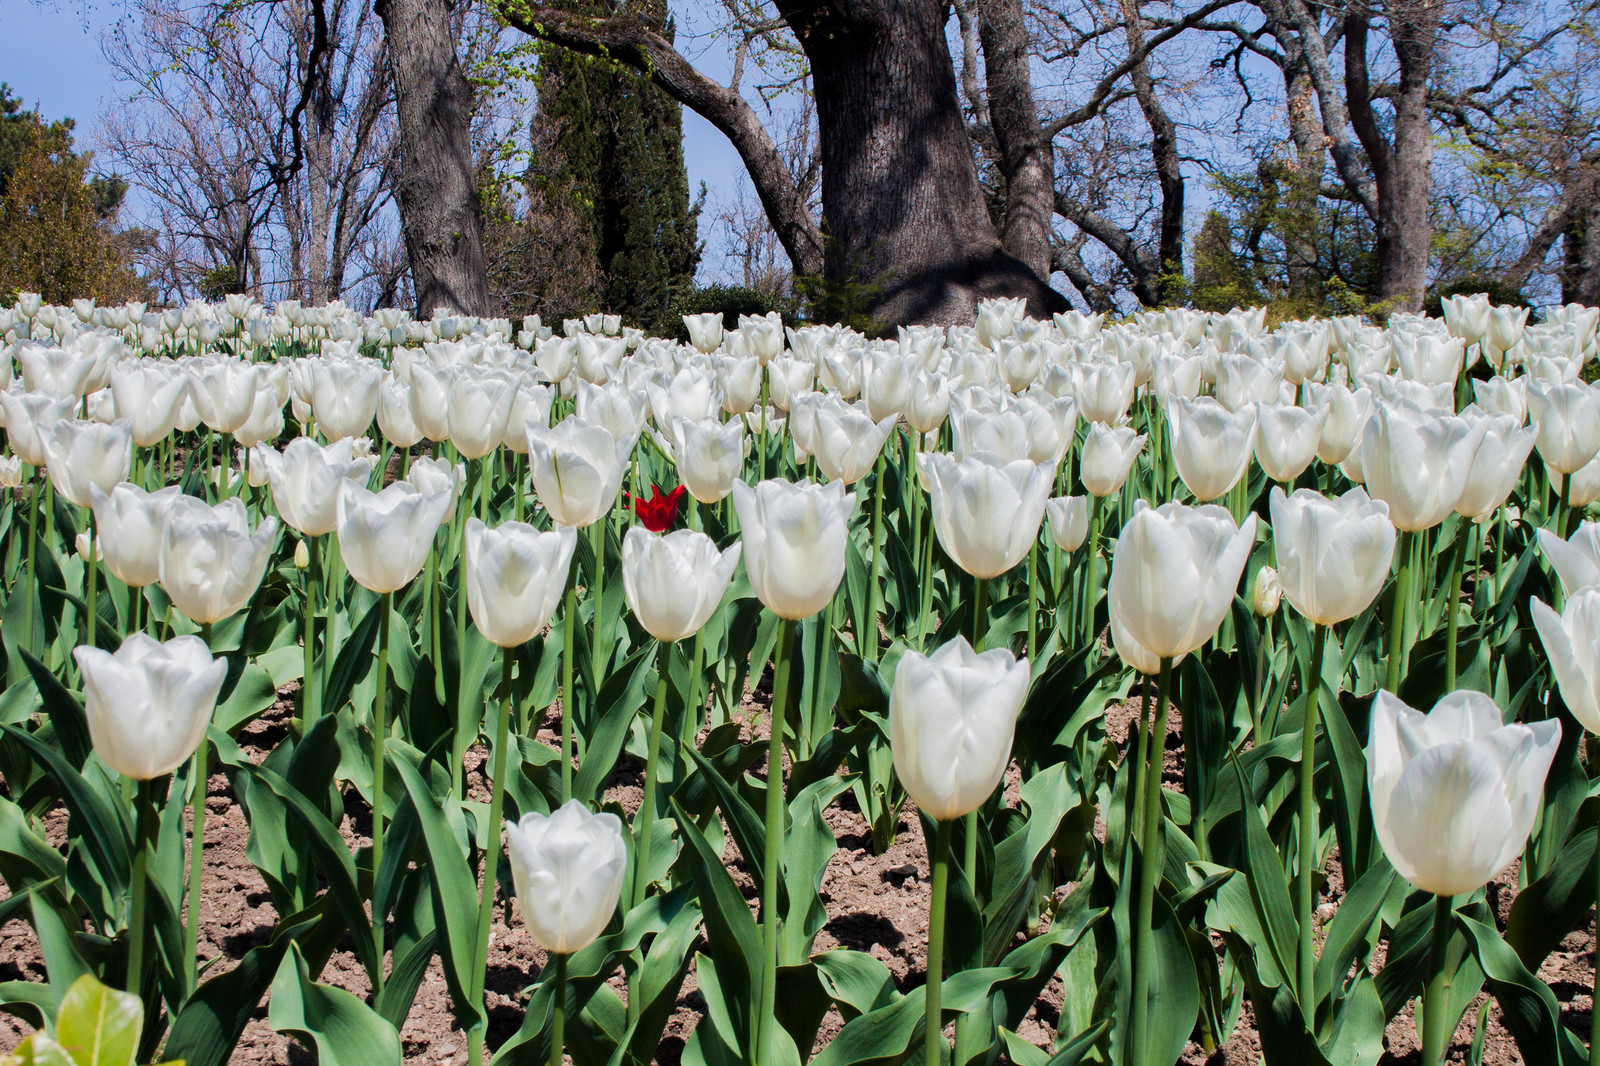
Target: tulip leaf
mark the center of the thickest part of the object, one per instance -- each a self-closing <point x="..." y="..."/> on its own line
<point x="353" y="661"/>
<point x="253" y="695"/>
<point x="624" y="692"/>
<point x="1269" y="889"/>
<point x="92" y="819"/>
<point x="732" y="937"/>
<point x="1527" y="1006"/>
<point x="1551" y="907"/>
<point x="66" y="713"/>
<point x="338" y="867"/>
<point x="341" y="1029"/>
<point x="455" y="896"/>
<point x="210" y="1022"/>
<point x="99" y="1026"/>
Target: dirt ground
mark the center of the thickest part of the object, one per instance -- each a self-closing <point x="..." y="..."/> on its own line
<point x="876" y="903"/>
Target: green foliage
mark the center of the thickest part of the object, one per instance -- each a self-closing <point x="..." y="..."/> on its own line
<point x="618" y="146"/>
<point x="56" y="219"/>
<point x="731" y="300"/>
<point x="95" y="1026"/>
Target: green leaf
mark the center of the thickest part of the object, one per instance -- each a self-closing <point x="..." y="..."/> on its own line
<point x="455" y="895"/>
<point x="1527" y="1005"/>
<point x="623" y="693"/>
<point x="341" y="1029"/>
<point x="99" y="1026"/>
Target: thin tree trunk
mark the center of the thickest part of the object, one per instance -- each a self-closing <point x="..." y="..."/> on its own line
<point x="1025" y="156"/>
<point x="436" y="186"/>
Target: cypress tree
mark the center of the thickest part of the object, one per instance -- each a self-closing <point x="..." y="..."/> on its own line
<point x="618" y="144"/>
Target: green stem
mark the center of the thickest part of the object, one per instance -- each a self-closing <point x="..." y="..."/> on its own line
<point x="465" y="731"/>
<point x="569" y="627"/>
<point x="933" y="1028"/>
<point x="91" y="571"/>
<point x="772" y="868"/>
<point x="380" y="726"/>
<point x="136" y="921"/>
<point x="647" y="805"/>
<point x="1306" y="876"/>
<point x="1090" y="586"/>
<point x="867" y="643"/>
<point x="1457" y="560"/>
<point x="30" y="591"/>
<point x="1140" y="756"/>
<point x="1397" y="614"/>
<point x="1033" y="599"/>
<point x="645" y="821"/>
<point x="491" y="862"/>
<point x="1436" y="997"/>
<point x="597" y="536"/>
<point x="200" y="773"/>
<point x="913" y="497"/>
<point x="980" y="611"/>
<point x="1149" y="871"/>
<point x="308" y="674"/>
<point x="558" y="1020"/>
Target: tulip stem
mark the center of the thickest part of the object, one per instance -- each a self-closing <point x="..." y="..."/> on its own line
<point x="597" y="536"/>
<point x="1033" y="599"/>
<point x="1090" y="587"/>
<point x="136" y="908"/>
<point x="558" y="1019"/>
<point x="647" y="804"/>
<point x="772" y="866"/>
<point x="491" y="861"/>
<point x="980" y="612"/>
<point x="1397" y="613"/>
<point x="380" y="726"/>
<point x="867" y="642"/>
<point x="569" y="627"/>
<point x="200" y="773"/>
<point x="1149" y="869"/>
<point x="933" y="1028"/>
<point x="308" y="693"/>
<point x="1436" y="997"/>
<point x="30" y="590"/>
<point x="914" y="500"/>
<point x="1306" y="875"/>
<point x="1457" y="559"/>
<point x="91" y="615"/>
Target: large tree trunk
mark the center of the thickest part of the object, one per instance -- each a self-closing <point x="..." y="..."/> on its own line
<point x="900" y="195"/>
<point x="436" y="190"/>
<point x="1580" y="246"/>
<point x="1402" y="171"/>
<point x="902" y="208"/>
<point x="1026" y="159"/>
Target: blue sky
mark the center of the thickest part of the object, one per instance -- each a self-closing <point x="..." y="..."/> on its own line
<point x="52" y="60"/>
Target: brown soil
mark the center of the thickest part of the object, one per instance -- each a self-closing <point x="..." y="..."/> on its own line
<point x="876" y="903"/>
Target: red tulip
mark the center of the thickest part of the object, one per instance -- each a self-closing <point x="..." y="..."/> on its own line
<point x="659" y="512"/>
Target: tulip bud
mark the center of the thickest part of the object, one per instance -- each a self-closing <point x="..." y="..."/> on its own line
<point x="1108" y="456"/>
<point x="1572" y="644"/>
<point x="1211" y="446"/>
<point x="148" y="704"/>
<point x="986" y="512"/>
<point x="1266" y="594"/>
<point x="568" y="869"/>
<point x="1454" y="792"/>
<point x="952" y="716"/>
<point x="86" y="545"/>
<point x="795" y="535"/>
<point x="302" y="554"/>
<point x="1173" y="574"/>
<point x="10" y="471"/>
<point x="1333" y="554"/>
<point x="577" y="470"/>
<point x="515" y="578"/>
<point x="210" y="563"/>
<point x="385" y="537"/>
<point x="674" y="582"/>
<point x="1069" y="521"/>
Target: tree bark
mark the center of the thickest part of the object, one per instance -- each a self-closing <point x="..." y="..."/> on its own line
<point x="436" y="187"/>
<point x="1164" y="154"/>
<point x="1402" y="170"/>
<point x="1580" y="246"/>
<point x="904" y="213"/>
<point x="1025" y="156"/>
